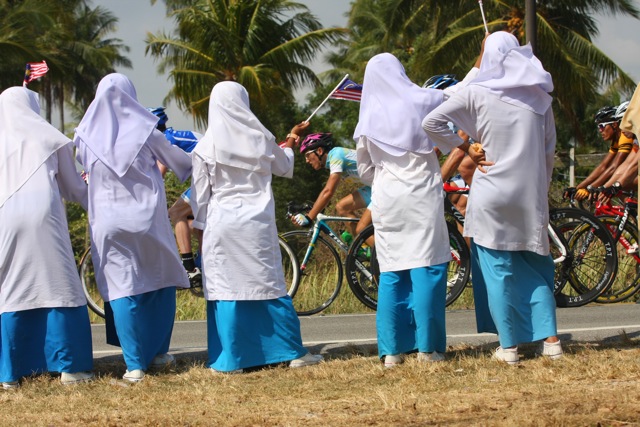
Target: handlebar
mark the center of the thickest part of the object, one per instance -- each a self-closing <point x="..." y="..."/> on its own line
<point x="294" y="208"/>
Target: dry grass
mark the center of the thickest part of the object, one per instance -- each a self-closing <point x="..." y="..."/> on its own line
<point x="595" y="384"/>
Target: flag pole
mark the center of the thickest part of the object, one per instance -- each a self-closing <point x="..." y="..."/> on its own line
<point x="484" y="20"/>
<point x="328" y="96"/>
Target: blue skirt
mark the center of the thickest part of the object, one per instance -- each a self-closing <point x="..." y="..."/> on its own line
<point x="45" y="340"/>
<point x="484" y="321"/>
<point x="244" y="334"/>
<point x="411" y="310"/>
<point x="141" y="325"/>
<point x="519" y="290"/>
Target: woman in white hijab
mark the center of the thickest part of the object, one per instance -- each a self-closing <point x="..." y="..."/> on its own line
<point x="43" y="312"/>
<point x="412" y="243"/>
<point x="508" y="108"/>
<point x="250" y="318"/>
<point x="132" y="244"/>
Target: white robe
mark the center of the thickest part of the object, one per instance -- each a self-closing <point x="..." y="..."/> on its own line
<point x="508" y="206"/>
<point x="406" y="207"/>
<point x="37" y="267"/>
<point x="132" y="243"/>
<point x="235" y="207"/>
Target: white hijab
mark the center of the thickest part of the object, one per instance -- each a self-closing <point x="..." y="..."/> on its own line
<point x="26" y="139"/>
<point x="115" y="126"/>
<point x="235" y="136"/>
<point x="392" y="108"/>
<point x="514" y="74"/>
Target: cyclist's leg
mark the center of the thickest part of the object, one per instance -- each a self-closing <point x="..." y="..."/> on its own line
<point x="365" y="221"/>
<point x="179" y="214"/>
<point x="348" y="205"/>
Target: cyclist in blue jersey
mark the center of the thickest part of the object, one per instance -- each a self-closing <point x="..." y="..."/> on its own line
<point x="319" y="151"/>
<point x="180" y="212"/>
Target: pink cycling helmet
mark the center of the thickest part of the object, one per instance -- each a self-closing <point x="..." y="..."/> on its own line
<point x="316" y="140"/>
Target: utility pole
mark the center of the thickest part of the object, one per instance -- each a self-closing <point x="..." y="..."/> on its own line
<point x="530" y="23"/>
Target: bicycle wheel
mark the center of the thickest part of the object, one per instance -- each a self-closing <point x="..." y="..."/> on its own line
<point x="626" y="283"/>
<point x="290" y="267"/>
<point x="459" y="267"/>
<point x="321" y="279"/>
<point x="362" y="269"/>
<point x="591" y="262"/>
<point x="89" y="286"/>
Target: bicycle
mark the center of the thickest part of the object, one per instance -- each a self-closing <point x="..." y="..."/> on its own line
<point x="583" y="252"/>
<point x="619" y="220"/>
<point x="320" y="259"/>
<point x="95" y="302"/>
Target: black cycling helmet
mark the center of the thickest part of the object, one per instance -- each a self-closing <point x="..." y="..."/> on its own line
<point x="440" y="81"/>
<point x="316" y="140"/>
<point x="159" y="112"/>
<point x="605" y="114"/>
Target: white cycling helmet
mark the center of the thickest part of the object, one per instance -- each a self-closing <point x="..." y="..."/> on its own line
<point x="622" y="108"/>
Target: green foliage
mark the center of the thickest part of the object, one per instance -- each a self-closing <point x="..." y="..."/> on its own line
<point x="77" y="219"/>
<point x="263" y="45"/>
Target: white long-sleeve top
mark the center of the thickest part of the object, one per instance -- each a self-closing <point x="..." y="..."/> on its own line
<point x="240" y="248"/>
<point x="407" y="207"/>
<point x="132" y="243"/>
<point x="508" y="206"/>
<point x="37" y="268"/>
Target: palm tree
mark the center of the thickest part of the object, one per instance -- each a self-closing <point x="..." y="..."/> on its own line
<point x="263" y="45"/>
<point x="433" y="37"/>
<point x="89" y="54"/>
<point x="21" y="23"/>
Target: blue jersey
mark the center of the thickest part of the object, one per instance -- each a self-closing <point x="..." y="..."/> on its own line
<point x="184" y="139"/>
<point x="343" y="160"/>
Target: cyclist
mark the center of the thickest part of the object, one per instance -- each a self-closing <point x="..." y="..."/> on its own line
<point x="319" y="151"/>
<point x="626" y="174"/>
<point x="619" y="148"/>
<point x="180" y="212"/>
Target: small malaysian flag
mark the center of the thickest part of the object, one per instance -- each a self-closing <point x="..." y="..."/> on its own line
<point x="34" y="70"/>
<point x="348" y="90"/>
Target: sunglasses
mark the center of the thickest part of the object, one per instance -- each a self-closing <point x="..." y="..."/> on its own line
<point x="308" y="153"/>
<point x="604" y="125"/>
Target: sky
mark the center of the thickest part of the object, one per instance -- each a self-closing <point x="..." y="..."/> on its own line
<point x="619" y="38"/>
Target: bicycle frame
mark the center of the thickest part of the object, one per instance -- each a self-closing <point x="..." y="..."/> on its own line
<point x="451" y="208"/>
<point x="321" y="226"/>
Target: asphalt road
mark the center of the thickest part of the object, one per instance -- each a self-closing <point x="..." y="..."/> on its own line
<point x="321" y="333"/>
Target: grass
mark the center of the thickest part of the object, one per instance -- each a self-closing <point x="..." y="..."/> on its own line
<point x="594" y="384"/>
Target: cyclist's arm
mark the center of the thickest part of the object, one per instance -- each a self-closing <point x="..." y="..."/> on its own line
<point x="618" y="159"/>
<point x="627" y="172"/>
<point x="450" y="165"/>
<point x="598" y="171"/>
<point x="200" y="191"/>
<point x="325" y="195"/>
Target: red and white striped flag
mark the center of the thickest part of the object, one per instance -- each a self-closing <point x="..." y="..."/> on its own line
<point x="34" y="70"/>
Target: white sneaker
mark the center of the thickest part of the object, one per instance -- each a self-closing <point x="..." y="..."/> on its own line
<point x="162" y="361"/>
<point x="430" y="357"/>
<point x="134" y="376"/>
<point x="508" y="355"/>
<point x="306" y="360"/>
<point x="11" y="385"/>
<point x="67" y="378"/>
<point x="393" y="360"/>
<point x="552" y="350"/>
